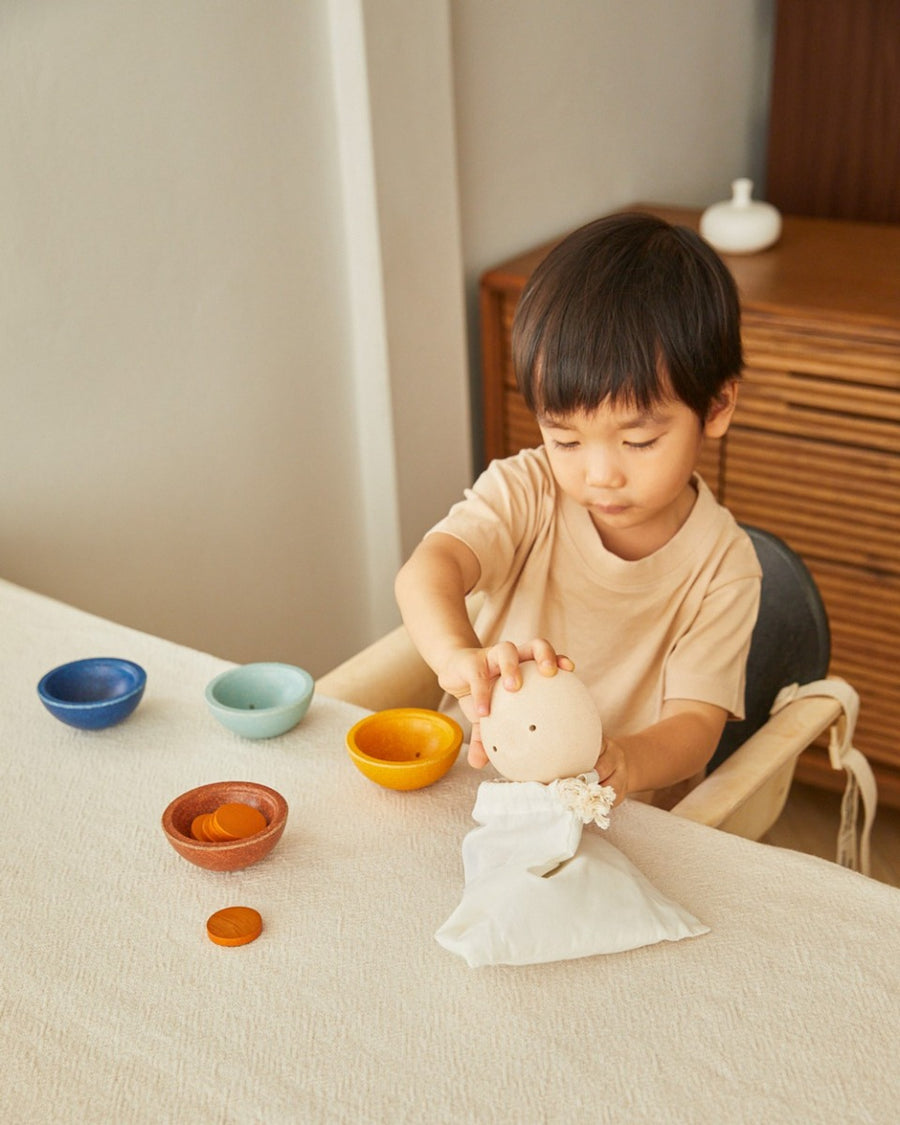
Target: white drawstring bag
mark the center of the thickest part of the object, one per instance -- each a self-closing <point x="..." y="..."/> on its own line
<point x="539" y="888"/>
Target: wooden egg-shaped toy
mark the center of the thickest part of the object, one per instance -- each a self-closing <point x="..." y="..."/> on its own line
<point x="548" y="729"/>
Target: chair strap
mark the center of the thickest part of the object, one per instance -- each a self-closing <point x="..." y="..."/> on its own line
<point x="853" y="843"/>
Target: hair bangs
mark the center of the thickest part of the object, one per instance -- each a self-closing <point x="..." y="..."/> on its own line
<point x="573" y="371"/>
<point x="585" y="343"/>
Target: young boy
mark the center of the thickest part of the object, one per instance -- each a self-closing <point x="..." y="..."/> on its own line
<point x="603" y="544"/>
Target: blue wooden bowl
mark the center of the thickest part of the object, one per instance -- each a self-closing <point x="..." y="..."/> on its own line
<point x="94" y="693"/>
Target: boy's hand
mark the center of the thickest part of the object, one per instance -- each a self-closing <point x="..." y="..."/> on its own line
<point x="612" y="767"/>
<point x="469" y="674"/>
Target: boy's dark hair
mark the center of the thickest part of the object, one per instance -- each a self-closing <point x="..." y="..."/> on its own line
<point x="619" y="308"/>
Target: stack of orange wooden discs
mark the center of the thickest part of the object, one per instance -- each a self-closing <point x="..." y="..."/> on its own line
<point x="233" y="821"/>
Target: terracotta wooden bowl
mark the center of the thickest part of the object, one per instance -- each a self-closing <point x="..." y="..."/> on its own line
<point x="234" y="854"/>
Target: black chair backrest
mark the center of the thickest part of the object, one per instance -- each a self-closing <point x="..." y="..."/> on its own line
<point x="791" y="641"/>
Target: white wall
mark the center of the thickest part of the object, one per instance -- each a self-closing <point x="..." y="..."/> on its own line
<point x="236" y="235"/>
<point x="170" y="295"/>
<point x="203" y="301"/>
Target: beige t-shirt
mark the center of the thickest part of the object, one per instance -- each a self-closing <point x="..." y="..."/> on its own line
<point x="674" y="625"/>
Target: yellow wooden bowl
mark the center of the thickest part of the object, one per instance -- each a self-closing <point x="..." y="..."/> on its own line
<point x="405" y="747"/>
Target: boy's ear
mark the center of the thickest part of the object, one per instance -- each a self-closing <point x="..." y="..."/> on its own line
<point x="721" y="411"/>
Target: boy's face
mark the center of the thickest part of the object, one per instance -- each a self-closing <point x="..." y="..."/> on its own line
<point x="632" y="469"/>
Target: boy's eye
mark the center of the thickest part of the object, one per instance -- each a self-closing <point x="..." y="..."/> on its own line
<point x="641" y="444"/>
<point x="565" y="444"/>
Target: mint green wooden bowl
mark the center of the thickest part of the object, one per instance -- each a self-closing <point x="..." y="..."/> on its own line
<point x="260" y="700"/>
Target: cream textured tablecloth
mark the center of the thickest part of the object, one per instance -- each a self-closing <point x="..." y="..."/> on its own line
<point x="116" y="1007"/>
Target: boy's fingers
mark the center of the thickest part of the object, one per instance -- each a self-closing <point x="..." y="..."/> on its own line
<point x="481" y="699"/>
<point x="475" y="701"/>
<point x="477" y="755"/>
<point x="546" y="657"/>
<point x="543" y="654"/>
<point x="505" y="656"/>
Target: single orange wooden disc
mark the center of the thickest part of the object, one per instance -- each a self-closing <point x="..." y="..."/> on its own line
<point x="235" y="925"/>
<point x="236" y="821"/>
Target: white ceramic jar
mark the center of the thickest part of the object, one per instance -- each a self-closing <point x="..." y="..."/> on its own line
<point x="741" y="225"/>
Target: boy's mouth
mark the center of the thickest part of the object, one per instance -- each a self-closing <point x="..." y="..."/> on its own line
<point x="608" y="509"/>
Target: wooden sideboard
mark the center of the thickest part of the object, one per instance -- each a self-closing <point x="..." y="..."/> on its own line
<point x="813" y="454"/>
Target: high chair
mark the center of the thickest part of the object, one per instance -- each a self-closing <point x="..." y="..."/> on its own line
<point x="790" y="702"/>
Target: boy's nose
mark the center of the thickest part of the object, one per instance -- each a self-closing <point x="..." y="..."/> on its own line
<point x="604" y="471"/>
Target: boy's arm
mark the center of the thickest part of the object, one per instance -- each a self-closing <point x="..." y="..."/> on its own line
<point x="431" y="590"/>
<point x="674" y="749"/>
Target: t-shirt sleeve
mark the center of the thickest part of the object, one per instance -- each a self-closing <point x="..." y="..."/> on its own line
<point x="498" y="517"/>
<point x="709" y="662"/>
